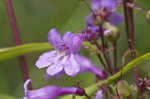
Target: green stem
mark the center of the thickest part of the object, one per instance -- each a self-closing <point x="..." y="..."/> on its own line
<point x="7" y="53"/>
<point x="128" y="67"/>
<point x="93" y="88"/>
<point x="11" y="52"/>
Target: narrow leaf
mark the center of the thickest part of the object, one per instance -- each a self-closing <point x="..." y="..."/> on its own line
<point x="6" y="53"/>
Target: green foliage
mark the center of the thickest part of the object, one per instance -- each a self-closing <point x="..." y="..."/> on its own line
<point x="6" y="53"/>
<point x="6" y="97"/>
<point x="34" y="19"/>
<point x="123" y="88"/>
<point x="121" y="85"/>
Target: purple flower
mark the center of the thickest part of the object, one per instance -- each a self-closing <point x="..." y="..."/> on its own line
<point x="65" y="57"/>
<point x="62" y="59"/>
<point x="115" y="18"/>
<point x="91" y="31"/>
<point x="99" y="94"/>
<point x="49" y="92"/>
<point x="107" y="4"/>
<point x="105" y="9"/>
<point x="87" y="66"/>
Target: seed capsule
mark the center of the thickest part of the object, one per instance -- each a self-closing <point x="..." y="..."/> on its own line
<point x="98" y="20"/>
<point x="148" y="16"/>
<point x="111" y="32"/>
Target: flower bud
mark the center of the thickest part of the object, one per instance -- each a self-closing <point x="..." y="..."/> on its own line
<point x="111" y="32"/>
<point x="98" y="20"/>
<point x="80" y="92"/>
<point x="123" y="88"/>
<point x="148" y="16"/>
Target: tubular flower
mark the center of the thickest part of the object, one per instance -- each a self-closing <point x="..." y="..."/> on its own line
<point x="105" y="9"/>
<point x="99" y="94"/>
<point x="62" y="59"/>
<point x="65" y="58"/>
<point x="49" y="92"/>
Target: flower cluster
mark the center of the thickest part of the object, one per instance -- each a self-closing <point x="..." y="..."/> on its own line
<point x="66" y="59"/>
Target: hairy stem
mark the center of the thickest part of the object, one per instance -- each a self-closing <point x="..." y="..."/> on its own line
<point x="15" y="30"/>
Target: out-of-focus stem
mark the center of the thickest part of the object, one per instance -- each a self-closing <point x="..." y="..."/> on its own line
<point x="107" y="58"/>
<point x="126" y="14"/>
<point x="115" y="56"/>
<point x="131" y="16"/>
<point x="15" y="30"/>
<point x="100" y="57"/>
<point x="129" y="22"/>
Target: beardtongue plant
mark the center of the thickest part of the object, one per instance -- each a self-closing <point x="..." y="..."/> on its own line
<point x="101" y="25"/>
<point x="100" y="37"/>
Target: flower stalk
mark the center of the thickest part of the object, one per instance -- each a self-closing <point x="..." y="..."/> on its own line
<point x="129" y="23"/>
<point x="115" y="55"/>
<point x="15" y="30"/>
<point x="107" y="58"/>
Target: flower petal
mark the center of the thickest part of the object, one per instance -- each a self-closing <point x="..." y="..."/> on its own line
<point x="90" y="25"/>
<point x="46" y="59"/>
<point x="26" y="85"/>
<point x="76" y="43"/>
<point x="47" y="76"/>
<point x="98" y="72"/>
<point x="67" y="35"/>
<point x="54" y="38"/>
<point x="109" y="4"/>
<point x="89" y="20"/>
<point x="115" y="18"/>
<point x="57" y="67"/>
<point x="87" y="66"/>
<point x="95" y="4"/>
<point x="68" y="39"/>
<point x="83" y="62"/>
<point x="72" y="67"/>
<point x="47" y="92"/>
<point x="54" y="69"/>
<point x="99" y="94"/>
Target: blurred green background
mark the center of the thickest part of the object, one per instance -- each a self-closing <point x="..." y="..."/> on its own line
<point x="35" y="18"/>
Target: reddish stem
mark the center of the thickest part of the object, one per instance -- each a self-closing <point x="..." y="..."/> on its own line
<point x="129" y="20"/>
<point x="12" y="20"/>
<point x="131" y="15"/>
<point x="107" y="58"/>
<point x="100" y="57"/>
<point x="115" y="56"/>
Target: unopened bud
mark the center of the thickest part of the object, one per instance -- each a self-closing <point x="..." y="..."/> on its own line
<point x="123" y="88"/>
<point x="98" y="20"/>
<point x="80" y="92"/>
<point x="148" y="16"/>
<point x="111" y="32"/>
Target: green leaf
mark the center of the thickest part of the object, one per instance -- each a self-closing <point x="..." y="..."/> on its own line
<point x="2" y="96"/>
<point x="6" y="53"/>
<point x="11" y="52"/>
